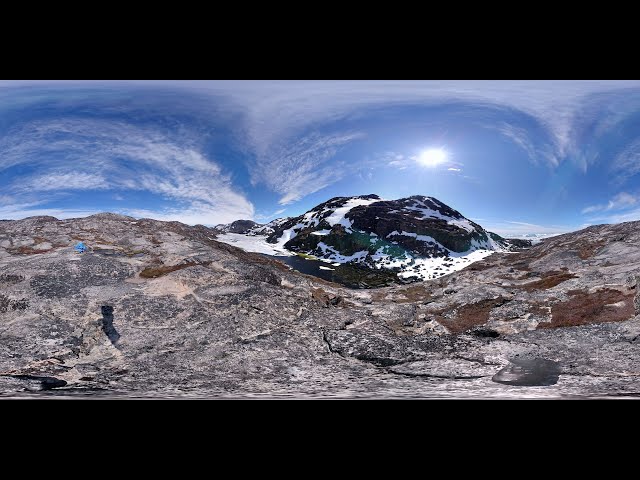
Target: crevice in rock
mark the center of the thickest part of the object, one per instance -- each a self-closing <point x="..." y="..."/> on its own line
<point x="475" y="360"/>
<point x="326" y="340"/>
<point x="346" y="324"/>
<point x="426" y="375"/>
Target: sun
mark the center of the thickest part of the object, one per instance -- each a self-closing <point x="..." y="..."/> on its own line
<point x="432" y="157"/>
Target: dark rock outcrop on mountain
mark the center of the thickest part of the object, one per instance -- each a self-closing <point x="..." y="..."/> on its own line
<point x="249" y="227"/>
<point x="163" y="309"/>
<point x="413" y="214"/>
<point x="239" y="226"/>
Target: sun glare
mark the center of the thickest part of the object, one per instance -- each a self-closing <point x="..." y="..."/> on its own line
<point x="432" y="157"/>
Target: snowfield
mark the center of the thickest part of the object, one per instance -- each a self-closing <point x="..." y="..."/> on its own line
<point x="429" y="268"/>
<point x="257" y="244"/>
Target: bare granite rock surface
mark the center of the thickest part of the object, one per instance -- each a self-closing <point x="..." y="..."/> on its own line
<point x="163" y="309"/>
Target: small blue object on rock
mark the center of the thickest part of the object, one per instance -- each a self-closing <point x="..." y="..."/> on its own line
<point x="81" y="248"/>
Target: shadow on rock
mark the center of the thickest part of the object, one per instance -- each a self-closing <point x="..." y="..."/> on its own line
<point x="529" y="372"/>
<point x="45" y="383"/>
<point x="107" y="324"/>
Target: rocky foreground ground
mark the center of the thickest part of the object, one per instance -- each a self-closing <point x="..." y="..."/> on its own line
<point x="163" y="309"/>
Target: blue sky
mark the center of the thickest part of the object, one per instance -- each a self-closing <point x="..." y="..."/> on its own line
<point x="516" y="156"/>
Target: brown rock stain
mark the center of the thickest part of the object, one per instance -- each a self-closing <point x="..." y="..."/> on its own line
<point x="470" y="315"/>
<point x="585" y="308"/>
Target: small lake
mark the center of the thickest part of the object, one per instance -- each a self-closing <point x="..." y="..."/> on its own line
<point x="349" y="275"/>
<point x="308" y="266"/>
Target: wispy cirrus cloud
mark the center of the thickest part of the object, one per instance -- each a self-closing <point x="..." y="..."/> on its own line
<point x="294" y="134"/>
<point x="402" y="161"/>
<point x="299" y="168"/>
<point x="522" y="137"/>
<point x="272" y="116"/>
<point x="564" y="109"/>
<point x="394" y="159"/>
<point x="261" y="217"/>
<point x="626" y="163"/>
<point x="6" y="199"/>
<point x="56" y="181"/>
<point x="278" y="106"/>
<point x="67" y="154"/>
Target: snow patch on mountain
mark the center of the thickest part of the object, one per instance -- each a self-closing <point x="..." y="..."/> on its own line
<point x="288" y="234"/>
<point x="428" y="212"/>
<point x="421" y="238"/>
<point x="338" y="215"/>
<point x="332" y="255"/>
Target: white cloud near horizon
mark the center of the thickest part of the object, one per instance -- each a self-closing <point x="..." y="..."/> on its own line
<point x="628" y="216"/>
<point x="620" y="201"/>
<point x="20" y="211"/>
<point x="623" y="207"/>
<point x="514" y="229"/>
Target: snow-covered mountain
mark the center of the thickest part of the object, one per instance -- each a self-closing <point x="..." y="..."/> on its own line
<point x="419" y="237"/>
